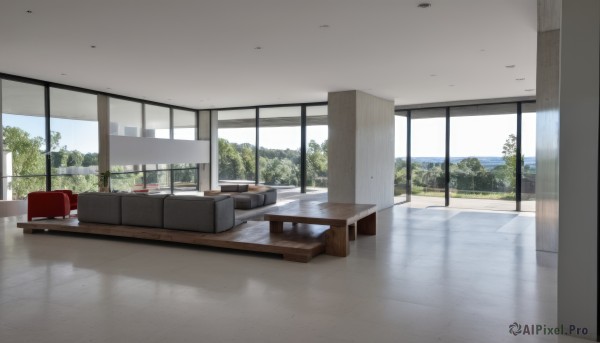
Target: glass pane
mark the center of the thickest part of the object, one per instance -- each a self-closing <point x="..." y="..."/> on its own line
<point x="237" y="145"/>
<point x="125" y="118"/>
<point x="23" y="134"/>
<point x="400" y="151"/>
<point x="122" y="181"/>
<point x="528" y="147"/>
<point x="279" y="153"/>
<point x="158" y="122"/>
<point x="185" y="180"/>
<point x="158" y="181"/>
<point x="482" y="157"/>
<point x="428" y="151"/>
<point x="184" y="125"/>
<point x="74" y="134"/>
<point x="317" y="133"/>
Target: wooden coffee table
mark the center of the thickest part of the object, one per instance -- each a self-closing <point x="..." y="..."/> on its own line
<point x="345" y="221"/>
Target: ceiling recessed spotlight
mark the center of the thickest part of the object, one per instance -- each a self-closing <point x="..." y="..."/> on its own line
<point x="450" y="85"/>
<point x="258" y="48"/>
<point x="324" y="26"/>
<point x="63" y="74"/>
<point x="520" y="79"/>
<point x="108" y="88"/>
<point x="424" y="5"/>
<point x="29" y="11"/>
<point x="510" y="66"/>
<point x="433" y="75"/>
<point x="530" y="90"/>
<point x="482" y="50"/>
<point x="93" y="46"/>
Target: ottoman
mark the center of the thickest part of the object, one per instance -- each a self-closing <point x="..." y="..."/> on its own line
<point x="247" y="201"/>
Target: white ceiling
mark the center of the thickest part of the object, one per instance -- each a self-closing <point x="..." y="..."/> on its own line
<point x="202" y="54"/>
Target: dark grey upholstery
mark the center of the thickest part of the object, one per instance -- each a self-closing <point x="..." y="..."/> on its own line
<point x="210" y="214"/>
<point x="247" y="201"/>
<point x="104" y="208"/>
<point x="229" y="188"/>
<point x="270" y="196"/>
<point x="142" y="209"/>
<point x="242" y="188"/>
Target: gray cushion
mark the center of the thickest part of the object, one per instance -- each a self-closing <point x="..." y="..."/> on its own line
<point x="229" y="188"/>
<point x="242" y="188"/>
<point x="104" y="208"/>
<point x="270" y="196"/>
<point x="246" y="201"/>
<point x="210" y="214"/>
<point x="142" y="209"/>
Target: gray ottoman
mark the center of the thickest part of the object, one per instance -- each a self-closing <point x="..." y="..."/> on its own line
<point x="247" y="201"/>
<point x="104" y="208"/>
<point x="204" y="214"/>
<point x="142" y="209"/>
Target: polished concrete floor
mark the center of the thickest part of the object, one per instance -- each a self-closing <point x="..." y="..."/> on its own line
<point x="430" y="275"/>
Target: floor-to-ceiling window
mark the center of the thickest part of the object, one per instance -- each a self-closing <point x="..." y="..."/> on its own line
<point x="483" y="143"/>
<point x="279" y="151"/>
<point x="185" y="175"/>
<point x="74" y="140"/>
<point x="317" y="134"/>
<point x="237" y="145"/>
<point x="126" y="119"/>
<point x="428" y="151"/>
<point x="400" y="156"/>
<point x="24" y="139"/>
<point x="528" y="165"/>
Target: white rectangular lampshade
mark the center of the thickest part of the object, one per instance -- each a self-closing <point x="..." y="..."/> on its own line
<point x="142" y="150"/>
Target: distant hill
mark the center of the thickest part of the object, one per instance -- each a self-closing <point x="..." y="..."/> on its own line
<point x="488" y="162"/>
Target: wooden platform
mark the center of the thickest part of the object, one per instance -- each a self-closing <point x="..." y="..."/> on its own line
<point x="298" y="243"/>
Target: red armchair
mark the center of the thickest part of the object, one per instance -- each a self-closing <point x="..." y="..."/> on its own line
<point x="72" y="197"/>
<point x="48" y="205"/>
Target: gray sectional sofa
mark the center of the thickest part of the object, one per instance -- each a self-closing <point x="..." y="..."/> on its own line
<point x="210" y="214"/>
<point x="248" y="197"/>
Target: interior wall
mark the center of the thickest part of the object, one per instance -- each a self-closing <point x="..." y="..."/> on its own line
<point x="578" y="187"/>
<point x="341" y="157"/>
<point x="204" y="134"/>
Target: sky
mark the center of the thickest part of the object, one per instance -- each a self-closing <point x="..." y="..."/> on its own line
<point x="470" y="136"/>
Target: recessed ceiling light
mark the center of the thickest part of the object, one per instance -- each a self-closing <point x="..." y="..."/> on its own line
<point x="510" y="66"/>
<point x="520" y="79"/>
<point x="93" y="46"/>
<point x="424" y="5"/>
<point x="482" y="50"/>
<point x="530" y="90"/>
<point x="108" y="88"/>
<point x="258" y="48"/>
<point x="324" y="26"/>
<point x="29" y="11"/>
<point x="63" y="74"/>
<point x="433" y="75"/>
<point x="450" y="85"/>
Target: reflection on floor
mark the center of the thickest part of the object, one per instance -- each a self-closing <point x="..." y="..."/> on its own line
<point x="429" y="275"/>
<point x="417" y="201"/>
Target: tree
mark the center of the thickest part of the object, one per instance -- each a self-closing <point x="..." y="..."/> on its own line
<point x="27" y="159"/>
<point x="509" y="154"/>
<point x="316" y="163"/>
<point x="231" y="165"/>
<point x="75" y="159"/>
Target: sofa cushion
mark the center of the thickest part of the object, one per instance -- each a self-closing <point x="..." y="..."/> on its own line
<point x="210" y="214"/>
<point x="270" y="196"/>
<point x="229" y="188"/>
<point x="247" y="201"/>
<point x="142" y="209"/>
<point x="104" y="208"/>
<point x="242" y="188"/>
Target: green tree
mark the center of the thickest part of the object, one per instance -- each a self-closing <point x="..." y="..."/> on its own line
<point x="316" y="164"/>
<point x="231" y="164"/>
<point x="509" y="154"/>
<point x="75" y="159"/>
<point x="27" y="159"/>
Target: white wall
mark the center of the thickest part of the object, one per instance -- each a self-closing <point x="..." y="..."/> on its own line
<point x="142" y="150"/>
<point x="578" y="187"/>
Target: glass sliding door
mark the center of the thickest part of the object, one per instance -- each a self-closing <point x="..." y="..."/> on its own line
<point x="24" y="139"/>
<point x="400" y="154"/>
<point x="428" y="151"/>
<point x="317" y="133"/>
<point x="237" y="146"/>
<point x="528" y="151"/>
<point x="483" y="146"/>
<point x="279" y="152"/>
<point x="74" y="132"/>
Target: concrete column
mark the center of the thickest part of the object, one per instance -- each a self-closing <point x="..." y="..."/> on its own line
<point x="204" y="134"/>
<point x="361" y="149"/>
<point x="578" y="180"/>
<point x="214" y="150"/>
<point x="548" y="63"/>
